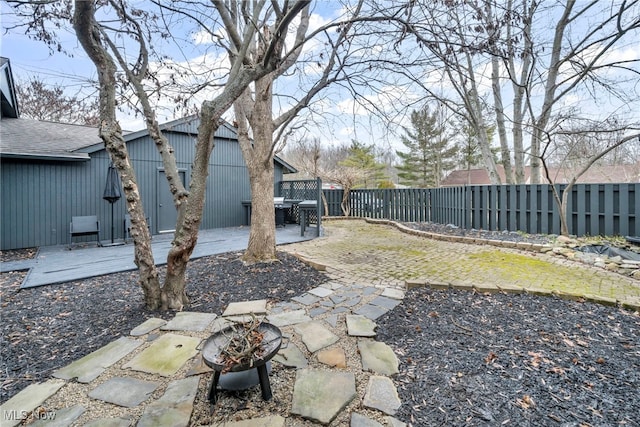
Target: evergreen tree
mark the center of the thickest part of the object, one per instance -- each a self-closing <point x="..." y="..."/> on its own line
<point x="362" y="157"/>
<point x="430" y="153"/>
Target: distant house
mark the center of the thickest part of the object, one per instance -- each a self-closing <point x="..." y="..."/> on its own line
<point x="53" y="171"/>
<point x="595" y="175"/>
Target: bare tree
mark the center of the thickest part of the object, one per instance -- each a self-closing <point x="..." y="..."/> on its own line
<point x="94" y="36"/>
<point x="592" y="144"/>
<point x="40" y="101"/>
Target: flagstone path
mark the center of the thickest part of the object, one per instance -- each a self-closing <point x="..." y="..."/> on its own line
<point x="157" y="370"/>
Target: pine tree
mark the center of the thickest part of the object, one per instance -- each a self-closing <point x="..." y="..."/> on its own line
<point x="430" y="153"/>
<point x="363" y="157"/>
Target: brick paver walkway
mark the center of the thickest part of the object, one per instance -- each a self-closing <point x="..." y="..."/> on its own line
<point x="382" y="254"/>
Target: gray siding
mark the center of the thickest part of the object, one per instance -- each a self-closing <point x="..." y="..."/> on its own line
<point x="38" y="199"/>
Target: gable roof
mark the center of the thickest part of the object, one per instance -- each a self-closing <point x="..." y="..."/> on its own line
<point x="35" y="139"/>
<point x="40" y="140"/>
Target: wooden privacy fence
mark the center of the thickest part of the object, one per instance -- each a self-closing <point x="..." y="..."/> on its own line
<point x="592" y="209"/>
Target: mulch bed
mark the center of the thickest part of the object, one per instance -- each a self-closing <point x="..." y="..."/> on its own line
<point x="48" y="327"/>
<point x="468" y="359"/>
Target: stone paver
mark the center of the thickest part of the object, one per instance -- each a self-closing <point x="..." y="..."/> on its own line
<point x="320" y="292"/>
<point x="315" y="336"/>
<point x="371" y="311"/>
<point x="63" y="417"/>
<point x="382" y="395"/>
<point x="359" y="420"/>
<point x="123" y="391"/>
<point x="306" y="299"/>
<point x="246" y="307"/>
<point x="271" y="421"/>
<point x="174" y="408"/>
<point x="393" y="293"/>
<point x="335" y="357"/>
<point x="14" y="409"/>
<point x="289" y="318"/>
<point x="291" y="356"/>
<point x="360" y="326"/>
<point x="320" y="395"/>
<point x="92" y="365"/>
<point x="189" y="321"/>
<point x="147" y="326"/>
<point x="378" y="357"/>
<point x="165" y="355"/>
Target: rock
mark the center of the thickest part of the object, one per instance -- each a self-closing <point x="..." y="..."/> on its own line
<point x="320" y="395"/>
<point x="382" y="395"/>
<point x="377" y="357"/>
<point x="333" y="357"/>
<point x="315" y="336"/>
<point x="360" y="326"/>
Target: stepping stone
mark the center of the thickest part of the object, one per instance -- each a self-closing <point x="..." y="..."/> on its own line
<point x="198" y="367"/>
<point x="317" y="311"/>
<point x="93" y="364"/>
<point x="388" y="303"/>
<point x="306" y="299"/>
<point x="334" y="357"/>
<point x="121" y="391"/>
<point x="315" y="336"/>
<point x="147" y="326"/>
<point x="321" y="395"/>
<point x="16" y="409"/>
<point x="360" y="326"/>
<point x="382" y="395"/>
<point x="358" y="420"/>
<point x="110" y="422"/>
<point x="289" y="318"/>
<point x="246" y="307"/>
<point x="270" y="421"/>
<point x="284" y="306"/>
<point x="339" y="310"/>
<point x="371" y="311"/>
<point x="165" y="355"/>
<point x="332" y="285"/>
<point x="377" y="357"/>
<point x="352" y="301"/>
<point x="174" y="408"/>
<point x="189" y="321"/>
<point x="337" y="299"/>
<point x="60" y="418"/>
<point x="369" y="290"/>
<point x="320" y="292"/>
<point x="291" y="357"/>
<point x="332" y="319"/>
<point x="393" y="293"/>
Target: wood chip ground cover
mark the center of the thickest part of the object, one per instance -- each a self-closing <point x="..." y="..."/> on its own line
<point x="473" y="360"/>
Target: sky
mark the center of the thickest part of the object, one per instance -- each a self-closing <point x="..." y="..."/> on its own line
<point x="336" y="117"/>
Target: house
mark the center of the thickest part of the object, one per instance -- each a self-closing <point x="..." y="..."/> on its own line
<point x="594" y="175"/>
<point x="53" y="171"/>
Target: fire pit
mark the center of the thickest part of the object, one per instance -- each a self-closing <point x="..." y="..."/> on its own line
<point x="264" y="341"/>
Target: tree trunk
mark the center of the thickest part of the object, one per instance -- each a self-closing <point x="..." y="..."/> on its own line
<point x="262" y="237"/>
<point x="500" y="120"/>
<point x="86" y="29"/>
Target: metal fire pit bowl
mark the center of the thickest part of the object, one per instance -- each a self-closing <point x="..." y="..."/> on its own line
<point x="212" y="356"/>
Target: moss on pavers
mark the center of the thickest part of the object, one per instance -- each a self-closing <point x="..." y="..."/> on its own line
<point x="14" y="410"/>
<point x="165" y="355"/>
<point x="367" y="251"/>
